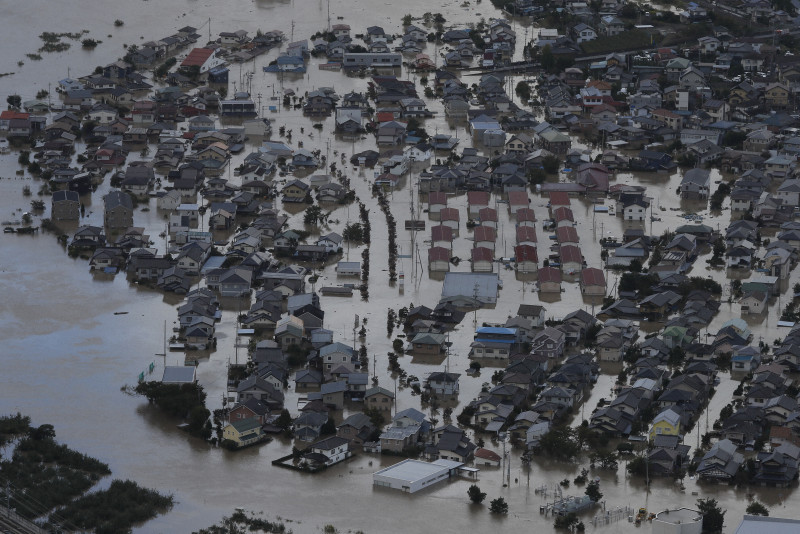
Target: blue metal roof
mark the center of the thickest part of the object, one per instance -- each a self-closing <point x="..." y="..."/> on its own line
<point x="496" y="330"/>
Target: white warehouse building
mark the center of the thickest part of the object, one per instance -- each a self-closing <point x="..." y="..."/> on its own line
<point x="411" y="476"/>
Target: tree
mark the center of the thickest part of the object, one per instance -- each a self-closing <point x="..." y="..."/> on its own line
<point x="713" y="515"/>
<point x="676" y="356"/>
<point x="375" y="417"/>
<point x="353" y="233"/>
<point x="498" y="506"/>
<point x="629" y="11"/>
<point x="284" y="420"/>
<point x="756" y="508"/>
<point x="328" y="428"/>
<point x="87" y="128"/>
<point x="547" y="58"/>
<point x="734" y="139"/>
<point x="312" y="215"/>
<point x="536" y="176"/>
<point x="475" y="494"/>
<point x="42" y="432"/>
<point x="523" y="91"/>
<point x="130" y="55"/>
<point x="550" y="164"/>
<point x="14" y="101"/>
<point x="638" y="466"/>
<point x="566" y="521"/>
<point x="560" y="442"/>
<point x="593" y="491"/>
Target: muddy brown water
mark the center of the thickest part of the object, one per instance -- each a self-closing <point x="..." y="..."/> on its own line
<point x="66" y="354"/>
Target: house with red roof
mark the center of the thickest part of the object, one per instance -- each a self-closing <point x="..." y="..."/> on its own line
<point x="526" y="235"/>
<point x="10" y="115"/>
<point x="449" y="217"/>
<point x="487" y="457"/>
<point x="384" y="116"/>
<point x="603" y="113"/>
<point x="517" y="200"/>
<point x="488" y="217"/>
<point x="549" y="280"/>
<point x="567" y="235"/>
<point x="436" y="201"/>
<point x="563" y="217"/>
<point x="525" y="217"/>
<point x="527" y="258"/>
<point x="482" y="260"/>
<point x="484" y="236"/>
<point x="593" y="177"/>
<point x="558" y="199"/>
<point x="571" y="259"/>
<point x="670" y="119"/>
<point x="442" y="236"/>
<point x="438" y="259"/>
<point x="476" y="201"/>
<point x="203" y="58"/>
<point x="593" y="282"/>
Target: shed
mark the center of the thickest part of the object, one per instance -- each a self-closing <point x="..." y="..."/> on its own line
<point x="348" y="268"/>
<point x="179" y="374"/>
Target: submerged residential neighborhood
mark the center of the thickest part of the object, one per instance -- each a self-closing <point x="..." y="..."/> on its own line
<point x="579" y="221"/>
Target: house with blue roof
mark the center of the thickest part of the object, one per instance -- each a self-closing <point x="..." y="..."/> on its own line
<point x="287" y="64"/>
<point x="745" y="358"/>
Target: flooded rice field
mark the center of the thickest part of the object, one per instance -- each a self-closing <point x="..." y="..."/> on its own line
<point x="67" y="348"/>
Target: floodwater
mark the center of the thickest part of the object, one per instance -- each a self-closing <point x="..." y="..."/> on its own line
<point x="66" y="354"/>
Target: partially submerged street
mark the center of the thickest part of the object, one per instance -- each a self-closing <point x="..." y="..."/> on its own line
<point x="604" y="290"/>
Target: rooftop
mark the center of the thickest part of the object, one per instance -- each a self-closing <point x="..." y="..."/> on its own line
<point x="412" y="470"/>
<point x="767" y="525"/>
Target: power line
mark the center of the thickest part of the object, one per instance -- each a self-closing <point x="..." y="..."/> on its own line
<point x="52" y="516"/>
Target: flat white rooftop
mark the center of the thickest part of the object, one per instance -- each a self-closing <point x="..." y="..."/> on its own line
<point x="414" y="470"/>
<point x="752" y="524"/>
<point x="481" y="286"/>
